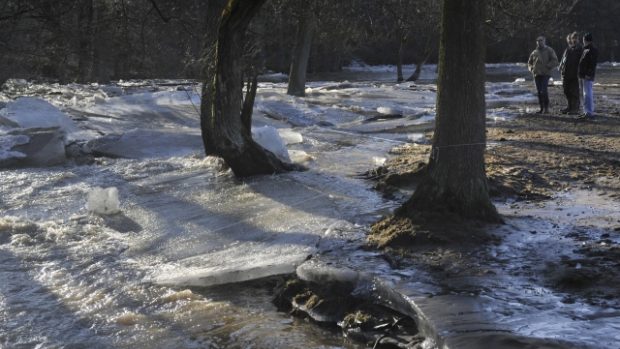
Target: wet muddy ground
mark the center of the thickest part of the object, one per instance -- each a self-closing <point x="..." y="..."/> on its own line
<point x="556" y="181"/>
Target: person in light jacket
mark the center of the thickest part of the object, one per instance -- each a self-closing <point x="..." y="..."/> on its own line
<point x="587" y="71"/>
<point x="541" y="62"/>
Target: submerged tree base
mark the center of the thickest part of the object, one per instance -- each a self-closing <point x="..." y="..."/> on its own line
<point x="426" y="229"/>
<point x="470" y="202"/>
<point x="255" y="160"/>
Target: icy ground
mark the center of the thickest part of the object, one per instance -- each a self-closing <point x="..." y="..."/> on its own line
<point x="74" y="277"/>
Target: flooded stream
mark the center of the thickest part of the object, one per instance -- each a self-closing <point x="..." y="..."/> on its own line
<point x="173" y="269"/>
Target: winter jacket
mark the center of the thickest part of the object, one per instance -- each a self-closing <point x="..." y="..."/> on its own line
<point x="542" y="61"/>
<point x="587" y="63"/>
<point x="569" y="66"/>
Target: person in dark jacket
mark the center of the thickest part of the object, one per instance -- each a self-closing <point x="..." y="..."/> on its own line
<point x="569" y="69"/>
<point x="541" y="62"/>
<point x="587" y="72"/>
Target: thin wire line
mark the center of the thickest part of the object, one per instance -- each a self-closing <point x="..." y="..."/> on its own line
<point x="191" y="101"/>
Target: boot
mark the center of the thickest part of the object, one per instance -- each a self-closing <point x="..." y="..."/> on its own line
<point x="545" y="103"/>
<point x="574" y="106"/>
<point x="540" y="103"/>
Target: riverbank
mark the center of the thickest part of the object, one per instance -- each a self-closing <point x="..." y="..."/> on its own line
<point x="550" y="273"/>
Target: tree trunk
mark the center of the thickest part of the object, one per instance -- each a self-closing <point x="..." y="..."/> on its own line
<point x="86" y="33"/>
<point x="455" y="179"/>
<point x="248" y="104"/>
<point x="222" y="104"/>
<point x="209" y="57"/>
<point x="428" y="51"/>
<point x="399" y="60"/>
<point x="418" y="69"/>
<point x="301" y="52"/>
<point x="96" y="71"/>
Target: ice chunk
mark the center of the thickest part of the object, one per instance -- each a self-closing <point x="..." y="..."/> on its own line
<point x="321" y="272"/>
<point x="33" y="147"/>
<point x="270" y="139"/>
<point x="103" y="201"/>
<point x="387" y="111"/>
<point x="7" y="142"/>
<point x="146" y="143"/>
<point x="417" y="138"/>
<point x="300" y="156"/>
<point x="112" y="91"/>
<point x="29" y="112"/>
<point x="518" y="80"/>
<point x="289" y="136"/>
<point x="378" y="161"/>
<point x="238" y="262"/>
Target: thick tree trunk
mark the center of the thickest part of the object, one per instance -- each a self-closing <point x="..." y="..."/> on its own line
<point x="456" y="180"/>
<point x="301" y="52"/>
<point x="221" y="111"/>
<point x="209" y="58"/>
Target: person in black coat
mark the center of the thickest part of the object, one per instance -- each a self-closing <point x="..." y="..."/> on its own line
<point x="569" y="69"/>
<point x="587" y="72"/>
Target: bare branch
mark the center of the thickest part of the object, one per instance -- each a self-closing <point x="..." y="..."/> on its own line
<point x="161" y="15"/>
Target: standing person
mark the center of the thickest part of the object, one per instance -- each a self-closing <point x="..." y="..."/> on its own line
<point x="587" y="71"/>
<point x="569" y="69"/>
<point x="541" y="62"/>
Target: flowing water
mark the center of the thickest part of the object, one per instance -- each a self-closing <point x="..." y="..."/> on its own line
<point x="145" y="278"/>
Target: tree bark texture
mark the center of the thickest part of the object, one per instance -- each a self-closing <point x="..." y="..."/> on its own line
<point x="209" y="57"/>
<point x="456" y="179"/>
<point x="301" y="52"/>
<point x="224" y="131"/>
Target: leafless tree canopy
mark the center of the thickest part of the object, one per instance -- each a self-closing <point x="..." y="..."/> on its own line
<point x="99" y="40"/>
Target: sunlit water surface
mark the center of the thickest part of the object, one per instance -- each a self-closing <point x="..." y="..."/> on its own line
<point x="70" y="279"/>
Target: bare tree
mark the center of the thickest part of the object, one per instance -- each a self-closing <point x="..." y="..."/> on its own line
<point x="455" y="179"/>
<point x="301" y="52"/>
<point x="224" y="118"/>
